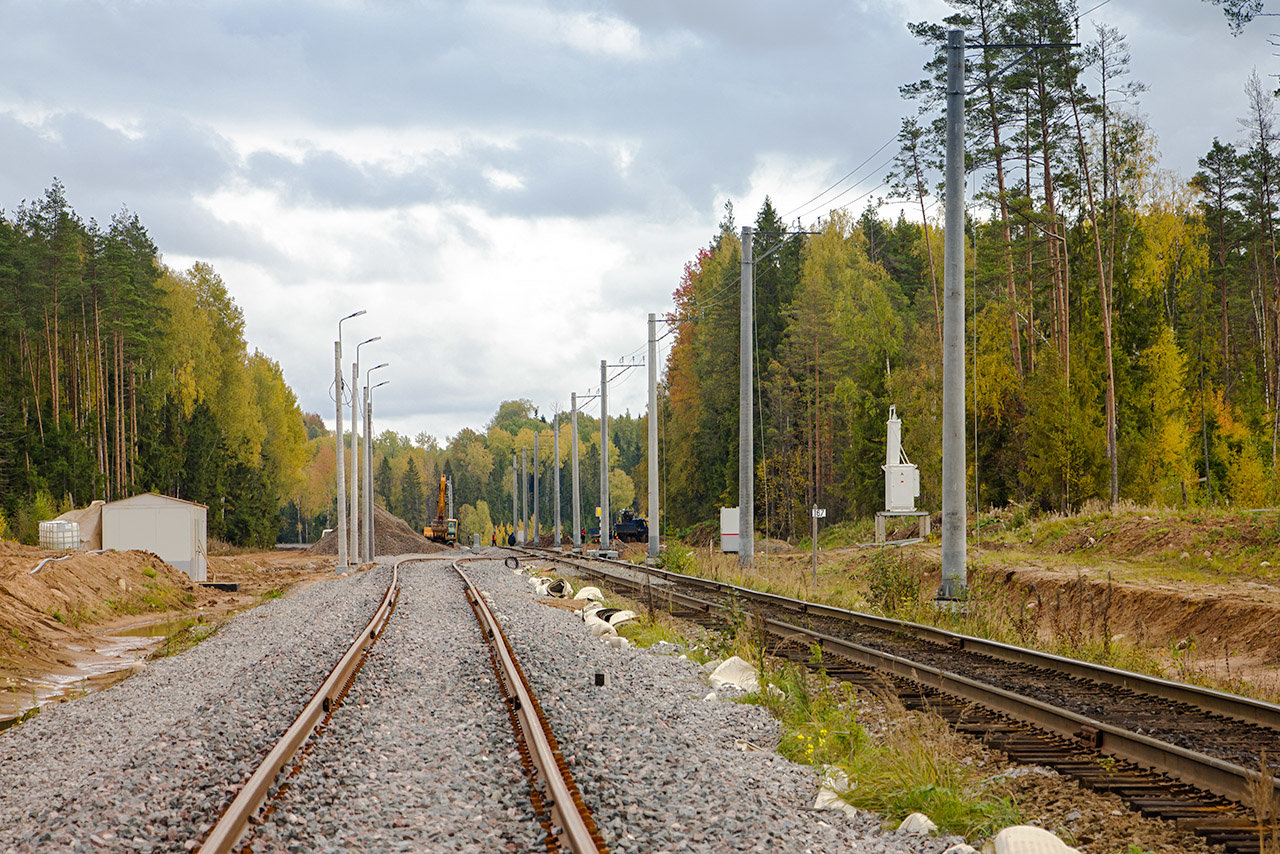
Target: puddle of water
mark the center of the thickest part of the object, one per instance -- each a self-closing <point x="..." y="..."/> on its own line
<point x="109" y="660"/>
<point x="154" y="630"/>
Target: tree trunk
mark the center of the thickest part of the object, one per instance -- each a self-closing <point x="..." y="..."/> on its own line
<point x="1104" y="298"/>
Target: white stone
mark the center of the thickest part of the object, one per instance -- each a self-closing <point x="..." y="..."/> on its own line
<point x="737" y="673"/>
<point x="918" y="822"/>
<point x="617" y="642"/>
<point x="832" y="784"/>
<point x="961" y="848"/>
<point x="1025" y="839"/>
<point x="599" y="628"/>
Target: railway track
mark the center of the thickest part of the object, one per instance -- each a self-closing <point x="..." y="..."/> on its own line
<point x="1203" y="759"/>
<point x="566" y="822"/>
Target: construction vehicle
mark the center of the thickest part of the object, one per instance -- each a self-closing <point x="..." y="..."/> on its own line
<point x="442" y="529"/>
<point x="629" y="528"/>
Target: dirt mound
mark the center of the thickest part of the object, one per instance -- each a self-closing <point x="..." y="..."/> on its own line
<point x="391" y="536"/>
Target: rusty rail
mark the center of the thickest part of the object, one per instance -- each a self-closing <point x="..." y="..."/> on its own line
<point x="573" y="827"/>
<point x="231" y="826"/>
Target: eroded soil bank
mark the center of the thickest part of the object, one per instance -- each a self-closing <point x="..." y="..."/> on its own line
<point x="69" y="621"/>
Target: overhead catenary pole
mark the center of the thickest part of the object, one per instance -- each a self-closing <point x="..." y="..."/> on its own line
<point x="555" y="425"/>
<point x="954" y="513"/>
<point x="653" y="435"/>
<point x="573" y="453"/>
<point x="515" y="494"/>
<point x="524" y="496"/>
<point x="537" y="529"/>
<point x="746" y="438"/>
<point x="604" y="455"/>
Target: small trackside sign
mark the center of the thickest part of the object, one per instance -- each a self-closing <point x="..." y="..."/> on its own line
<point x="819" y="513"/>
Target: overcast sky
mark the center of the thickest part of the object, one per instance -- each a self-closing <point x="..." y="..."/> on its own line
<point x="508" y="188"/>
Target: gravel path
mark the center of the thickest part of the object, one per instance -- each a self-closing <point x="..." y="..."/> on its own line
<point x="149" y="764"/>
<point x="420" y="757"/>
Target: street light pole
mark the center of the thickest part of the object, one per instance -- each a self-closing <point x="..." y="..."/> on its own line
<point x="341" y="473"/>
<point x="370" y="548"/>
<point x="355" y="447"/>
<point x="366" y="551"/>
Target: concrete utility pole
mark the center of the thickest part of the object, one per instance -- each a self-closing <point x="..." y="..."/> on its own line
<point x="342" y="474"/>
<point x="573" y="453"/>
<point x="355" y="447"/>
<point x="366" y="552"/>
<point x="369" y="526"/>
<point x="524" y="496"/>
<point x="954" y="513"/>
<point x="653" y="435"/>
<point x="366" y="541"/>
<point x="341" y="471"/>
<point x="746" y="436"/>
<point x="604" y="455"/>
<point x="537" y="529"/>
<point x="515" y="492"/>
<point x="555" y="426"/>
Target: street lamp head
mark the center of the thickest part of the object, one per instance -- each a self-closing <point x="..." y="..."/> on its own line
<point x="369" y="340"/>
<point x="380" y="385"/>
<point x="354" y="314"/>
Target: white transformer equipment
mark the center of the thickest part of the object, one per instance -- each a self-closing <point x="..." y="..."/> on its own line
<point x="901" y="477"/>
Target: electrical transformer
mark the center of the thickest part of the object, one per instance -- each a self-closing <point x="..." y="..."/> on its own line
<point x="901" y="477"/>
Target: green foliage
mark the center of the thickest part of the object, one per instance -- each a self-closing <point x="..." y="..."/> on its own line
<point x="677" y="558"/>
<point x="893" y="583"/>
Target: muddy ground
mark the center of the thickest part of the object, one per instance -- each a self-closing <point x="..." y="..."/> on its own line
<point x="70" y="621"/>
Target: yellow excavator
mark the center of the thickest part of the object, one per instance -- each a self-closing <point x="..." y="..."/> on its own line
<point x="442" y="530"/>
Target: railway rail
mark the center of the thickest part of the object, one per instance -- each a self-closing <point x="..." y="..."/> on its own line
<point x="567" y="821"/>
<point x="1201" y="758"/>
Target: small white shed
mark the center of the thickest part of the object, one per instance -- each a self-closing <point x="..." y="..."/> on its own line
<point x="171" y="528"/>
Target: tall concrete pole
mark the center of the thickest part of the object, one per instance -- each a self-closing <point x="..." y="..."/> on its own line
<point x="370" y="527"/>
<point x="342" y="473"/>
<point x="366" y="541"/>
<point x="537" y="529"/>
<point x="954" y="580"/>
<point x="653" y="435"/>
<point x="604" y="455"/>
<point x="515" y="493"/>
<point x="555" y="422"/>
<point x="573" y="453"/>
<point x="746" y="436"/>
<point x="354" y="547"/>
<point x="524" y="495"/>
<point x="341" y="470"/>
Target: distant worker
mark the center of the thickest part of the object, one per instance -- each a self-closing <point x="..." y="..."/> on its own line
<point x="495" y="536"/>
<point x="511" y="538"/>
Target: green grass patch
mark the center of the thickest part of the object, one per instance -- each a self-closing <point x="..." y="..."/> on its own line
<point x="189" y="633"/>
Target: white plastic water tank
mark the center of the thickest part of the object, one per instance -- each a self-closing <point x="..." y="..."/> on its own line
<point x="59" y="534"/>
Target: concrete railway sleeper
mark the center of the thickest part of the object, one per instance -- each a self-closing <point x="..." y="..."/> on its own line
<point x="975" y="685"/>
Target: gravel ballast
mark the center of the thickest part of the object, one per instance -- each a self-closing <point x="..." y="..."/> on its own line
<point x="420" y="756"/>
